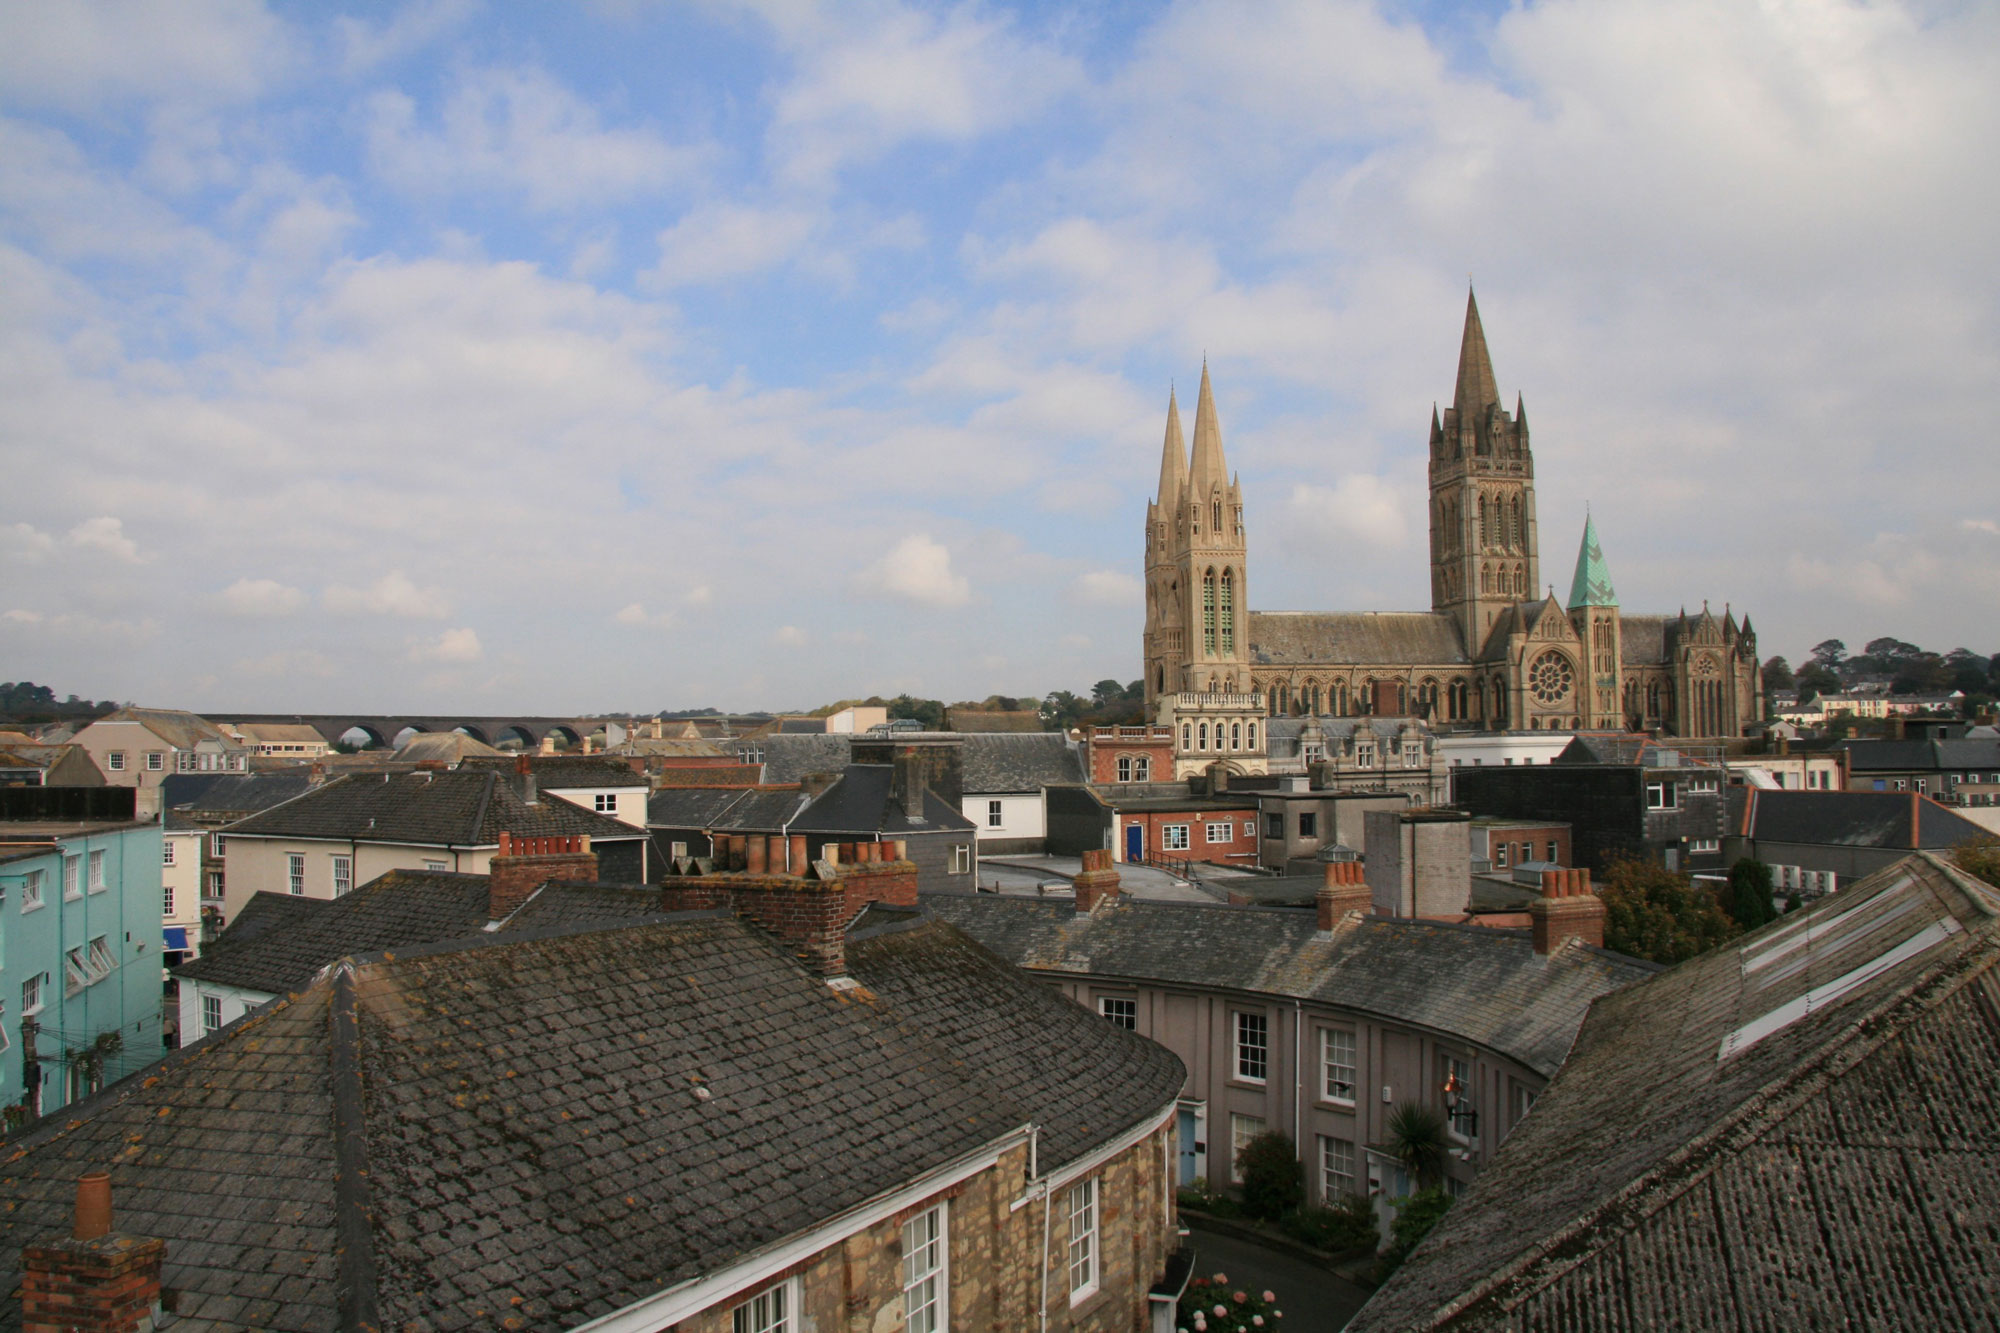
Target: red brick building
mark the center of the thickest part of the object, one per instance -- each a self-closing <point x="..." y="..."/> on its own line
<point x="1131" y="754"/>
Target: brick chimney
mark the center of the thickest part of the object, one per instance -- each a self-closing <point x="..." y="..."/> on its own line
<point x="906" y="786"/>
<point x="1345" y="890"/>
<point x="1568" y="907"/>
<point x="523" y="865"/>
<point x="810" y="910"/>
<point x="93" y="1280"/>
<point x="1096" y="883"/>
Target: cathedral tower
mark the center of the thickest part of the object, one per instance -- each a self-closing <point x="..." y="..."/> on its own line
<point x="1593" y="609"/>
<point x="1197" y="616"/>
<point x="1483" y="544"/>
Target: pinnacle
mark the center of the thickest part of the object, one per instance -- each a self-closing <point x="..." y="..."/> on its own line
<point x="1208" y="468"/>
<point x="1592" y="584"/>
<point x="1477" y="388"/>
<point x="1173" y="456"/>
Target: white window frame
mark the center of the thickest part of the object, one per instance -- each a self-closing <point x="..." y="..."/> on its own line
<point x="217" y="843"/>
<point x="166" y="851"/>
<point x="961" y="859"/>
<point x="343" y="875"/>
<point x="295" y="873"/>
<point x="437" y="867"/>
<point x="775" y="1309"/>
<point x="1249" y="830"/>
<point x="33" y="890"/>
<point x="114" y="761"/>
<point x="1242" y="1129"/>
<point x="1220" y="831"/>
<point x="31" y="994"/>
<point x="1663" y="795"/>
<point x="1120" y="1010"/>
<point x="166" y="899"/>
<point x="102" y="959"/>
<point x="1336" y="1169"/>
<point x="1080" y="1209"/>
<point x="1413" y="755"/>
<point x="927" y="1271"/>
<point x="1250" y="1046"/>
<point x="1124" y="768"/>
<point x="1142" y="768"/>
<point x="94" y="879"/>
<point x="1337" y="1057"/>
<point x="76" y="972"/>
<point x="604" y="803"/>
<point x="211" y="1014"/>
<point x="1459" y="1067"/>
<point x="1174" y="837"/>
<point x="1364" y="756"/>
<point x="156" y="761"/>
<point x="995" y="815"/>
<point x="72" y="868"/>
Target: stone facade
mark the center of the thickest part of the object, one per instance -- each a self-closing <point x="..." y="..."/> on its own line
<point x="1494" y="652"/>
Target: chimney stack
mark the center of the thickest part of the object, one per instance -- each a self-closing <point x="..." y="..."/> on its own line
<point x="906" y="787"/>
<point x="1345" y="890"/>
<point x="94" y="1280"/>
<point x="523" y="865"/>
<point x="1568" y="908"/>
<point x="1096" y="883"/>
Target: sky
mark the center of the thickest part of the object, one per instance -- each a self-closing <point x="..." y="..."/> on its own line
<point x="633" y="356"/>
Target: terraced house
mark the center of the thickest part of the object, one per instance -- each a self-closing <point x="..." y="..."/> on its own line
<point x="780" y="1115"/>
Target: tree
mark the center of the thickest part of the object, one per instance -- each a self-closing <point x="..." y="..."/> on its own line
<point x="1923" y="673"/>
<point x="1417" y="1142"/>
<point x="1778" y="675"/>
<point x="1061" y="710"/>
<point x="1653" y="913"/>
<point x="1750" y="900"/>
<point x="928" y="712"/>
<point x="1814" y="680"/>
<point x="1979" y="858"/>
<point x="1415" y="1219"/>
<point x="1829" y="653"/>
<point x="1272" y="1183"/>
<point x="1106" y="693"/>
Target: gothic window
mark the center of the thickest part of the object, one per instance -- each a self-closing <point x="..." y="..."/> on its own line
<point x="1485" y="579"/>
<point x="1235" y="735"/>
<point x="1514" y="524"/>
<point x="1339" y="708"/>
<point x="1227" y="614"/>
<point x="1202" y="733"/>
<point x="1187" y="736"/>
<point x="1253" y="735"/>
<point x="1550" y="678"/>
<point x="1208" y="614"/>
<point x="1521" y="588"/>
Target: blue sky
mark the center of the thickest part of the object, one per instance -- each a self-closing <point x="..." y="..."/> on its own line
<point x="633" y="355"/>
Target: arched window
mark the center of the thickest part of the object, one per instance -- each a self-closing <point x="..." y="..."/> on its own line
<point x="1235" y="735"/>
<point x="1218" y="517"/>
<point x="1202" y="732"/>
<point x="1340" y="700"/>
<point x="1227" y="613"/>
<point x="1208" y="613"/>
<point x="1187" y="736"/>
<point x="1253" y="735"/>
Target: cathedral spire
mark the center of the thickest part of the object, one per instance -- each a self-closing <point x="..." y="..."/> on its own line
<point x="1173" y="457"/>
<point x="1477" y="388"/>
<point x="1208" y="468"/>
<point x="1592" y="584"/>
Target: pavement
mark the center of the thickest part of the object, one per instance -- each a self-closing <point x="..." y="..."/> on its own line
<point x="1022" y="875"/>
<point x="1313" y="1299"/>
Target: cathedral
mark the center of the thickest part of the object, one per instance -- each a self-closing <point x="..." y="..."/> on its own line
<point x="1489" y="655"/>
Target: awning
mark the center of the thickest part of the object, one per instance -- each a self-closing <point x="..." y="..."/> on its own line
<point x="177" y="938"/>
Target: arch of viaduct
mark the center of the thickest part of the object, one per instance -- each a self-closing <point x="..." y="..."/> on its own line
<point x="384" y="728"/>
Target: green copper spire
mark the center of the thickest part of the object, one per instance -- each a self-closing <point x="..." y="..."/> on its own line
<point x="1592" y="584"/>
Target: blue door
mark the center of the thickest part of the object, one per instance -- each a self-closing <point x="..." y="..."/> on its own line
<point x="1189" y="1131"/>
<point x="1135" y="843"/>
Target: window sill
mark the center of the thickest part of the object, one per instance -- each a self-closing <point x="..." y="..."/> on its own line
<point x="1338" y="1104"/>
<point x="1245" y="1081"/>
<point x="1087" y="1300"/>
<point x="32" y="907"/>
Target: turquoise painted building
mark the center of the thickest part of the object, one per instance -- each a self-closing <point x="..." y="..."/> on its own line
<point x="80" y="946"/>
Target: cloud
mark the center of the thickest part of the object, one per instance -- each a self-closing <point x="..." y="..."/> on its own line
<point x="18" y="616"/>
<point x="452" y="646"/>
<point x="290" y="664"/>
<point x="27" y="543"/>
<point x="789" y="636"/>
<point x="260" y="599"/>
<point x="365" y="46"/>
<point x="1359" y="510"/>
<point x="917" y="570"/>
<point x="1105" y="587"/>
<point x="519" y="131"/>
<point x="105" y="534"/>
<point x="394" y="594"/>
<point x="635" y="613"/>
<point x="84" y="55"/>
<point x="869" y="81"/>
<point x="721" y="241"/>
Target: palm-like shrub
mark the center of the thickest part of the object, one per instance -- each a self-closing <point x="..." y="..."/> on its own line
<point x="1417" y="1142"/>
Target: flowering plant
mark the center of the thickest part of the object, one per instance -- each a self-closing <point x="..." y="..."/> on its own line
<point x="1211" y="1305"/>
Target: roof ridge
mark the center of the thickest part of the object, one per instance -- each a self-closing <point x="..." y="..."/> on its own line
<point x="353" y="1195"/>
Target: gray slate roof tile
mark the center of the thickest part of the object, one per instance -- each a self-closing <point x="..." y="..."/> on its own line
<point x="462" y="808"/>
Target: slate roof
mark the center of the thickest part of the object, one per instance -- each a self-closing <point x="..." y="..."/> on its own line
<point x="1647" y="640"/>
<point x="1486" y="985"/>
<point x="177" y="727"/>
<point x="709" y="775"/>
<point x="859" y="803"/>
<point x="1622" y="748"/>
<point x="1364" y="638"/>
<point x="989" y="720"/>
<point x="1792" y="1131"/>
<point x="1903" y="821"/>
<point x="790" y="758"/>
<point x="558" y="772"/>
<point x="463" y="808"/>
<point x="240" y="793"/>
<point x="450" y="747"/>
<point x="1019" y="761"/>
<point x="531" y="1132"/>
<point x="692" y="807"/>
<point x="1923" y="756"/>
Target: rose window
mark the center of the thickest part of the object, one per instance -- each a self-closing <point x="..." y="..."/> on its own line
<point x="1550" y="677"/>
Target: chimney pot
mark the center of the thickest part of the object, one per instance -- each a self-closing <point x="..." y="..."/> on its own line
<point x="522" y="766"/>
<point x="93" y="1206"/>
<point x="754" y="855"/>
<point x="798" y="861"/>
